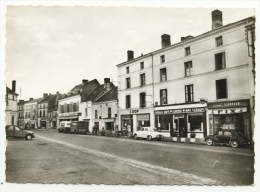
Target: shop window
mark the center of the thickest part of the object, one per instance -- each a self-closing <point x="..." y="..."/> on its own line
<point x="142" y="99"/>
<point x="163" y="74"/>
<point x="188" y="68"/>
<point x="142" y="65"/>
<point x="221" y="88"/>
<point x="164" y="122"/>
<point x="128" y="83"/>
<point x="189" y="93"/>
<point x="187" y="51"/>
<point x="195" y="122"/>
<point x="142" y="79"/>
<point x="220" y="61"/>
<point x="127" y="70"/>
<point x="219" y="41"/>
<point x="109" y="112"/>
<point x="96" y="114"/>
<point x="162" y="58"/>
<point x="128" y="101"/>
<point x="163" y="96"/>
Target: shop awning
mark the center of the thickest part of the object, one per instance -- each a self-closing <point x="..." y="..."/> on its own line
<point x="143" y="117"/>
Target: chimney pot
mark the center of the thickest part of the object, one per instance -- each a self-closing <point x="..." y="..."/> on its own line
<point x="166" y="40"/>
<point x="31" y="98"/>
<point x="106" y="80"/>
<point x="84" y="81"/>
<point x="130" y="55"/>
<point x="216" y="19"/>
<point x="14" y="86"/>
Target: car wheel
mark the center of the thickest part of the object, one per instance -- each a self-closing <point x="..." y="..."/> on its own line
<point x="28" y="137"/>
<point x="209" y="142"/>
<point x="234" y="143"/>
<point x="135" y="136"/>
<point x="149" y="138"/>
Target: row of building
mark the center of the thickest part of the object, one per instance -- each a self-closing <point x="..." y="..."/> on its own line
<point x="198" y="85"/>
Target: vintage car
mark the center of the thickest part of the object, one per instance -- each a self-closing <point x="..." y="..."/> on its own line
<point x="228" y="137"/>
<point x="16" y="131"/>
<point x="148" y="133"/>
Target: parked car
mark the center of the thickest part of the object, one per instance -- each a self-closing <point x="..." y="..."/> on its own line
<point x="228" y="137"/>
<point x="79" y="127"/>
<point x="16" y="131"/>
<point x="148" y="133"/>
<point x="64" y="127"/>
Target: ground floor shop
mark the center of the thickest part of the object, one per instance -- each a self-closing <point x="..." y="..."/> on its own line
<point x="72" y="116"/>
<point x="230" y="115"/>
<point x="134" y="119"/>
<point x="181" y="120"/>
<point x="106" y="124"/>
<point x="30" y="123"/>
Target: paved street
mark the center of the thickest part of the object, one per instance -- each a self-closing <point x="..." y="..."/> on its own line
<point x="66" y="158"/>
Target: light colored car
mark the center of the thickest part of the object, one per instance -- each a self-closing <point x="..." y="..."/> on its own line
<point x="16" y="131"/>
<point x="148" y="133"/>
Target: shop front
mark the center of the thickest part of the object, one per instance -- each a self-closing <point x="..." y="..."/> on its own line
<point x="134" y="119"/>
<point x="182" y="120"/>
<point x="230" y="115"/>
<point x="72" y="116"/>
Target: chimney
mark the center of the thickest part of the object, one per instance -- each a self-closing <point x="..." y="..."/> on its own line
<point x="107" y="83"/>
<point x="31" y="98"/>
<point x="166" y="40"/>
<point x="216" y="19"/>
<point x="130" y="55"/>
<point x="45" y="95"/>
<point x="57" y="92"/>
<point x="13" y="85"/>
<point x="106" y="80"/>
<point x="186" y="38"/>
<point x="84" y="81"/>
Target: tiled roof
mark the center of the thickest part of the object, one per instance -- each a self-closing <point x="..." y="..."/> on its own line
<point x="33" y="101"/>
<point x="10" y="91"/>
<point x="109" y="96"/>
<point x="88" y="89"/>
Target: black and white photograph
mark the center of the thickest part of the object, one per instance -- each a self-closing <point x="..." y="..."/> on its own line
<point x="114" y="95"/>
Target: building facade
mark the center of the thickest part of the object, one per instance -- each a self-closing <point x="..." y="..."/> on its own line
<point x="196" y="86"/>
<point x="31" y="113"/>
<point x="11" y="110"/>
<point x="43" y="112"/>
<point x="20" y="113"/>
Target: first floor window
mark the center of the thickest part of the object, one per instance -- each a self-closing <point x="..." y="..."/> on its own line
<point x="128" y="101"/>
<point x="221" y="88"/>
<point x="86" y="112"/>
<point x="109" y="112"/>
<point x="189" y="93"/>
<point x="142" y="99"/>
<point x="96" y="114"/>
<point x="163" y="96"/>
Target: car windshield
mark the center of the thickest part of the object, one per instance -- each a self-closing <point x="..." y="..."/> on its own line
<point x="17" y="128"/>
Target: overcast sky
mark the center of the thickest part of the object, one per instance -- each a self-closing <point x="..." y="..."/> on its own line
<point x="51" y="49"/>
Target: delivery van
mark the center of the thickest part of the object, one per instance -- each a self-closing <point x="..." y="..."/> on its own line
<point x="64" y="127"/>
<point x="79" y="127"/>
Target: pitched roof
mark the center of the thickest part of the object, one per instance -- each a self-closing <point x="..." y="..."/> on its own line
<point x="10" y="91"/>
<point x="110" y="95"/>
<point x="52" y="102"/>
<point x="33" y="100"/>
<point x="88" y="89"/>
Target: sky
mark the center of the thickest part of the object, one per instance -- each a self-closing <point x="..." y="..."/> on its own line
<point x="52" y="48"/>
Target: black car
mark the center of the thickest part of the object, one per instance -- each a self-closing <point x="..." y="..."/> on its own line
<point x="228" y="137"/>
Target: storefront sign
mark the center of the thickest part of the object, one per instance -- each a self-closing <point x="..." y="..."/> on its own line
<point x="176" y="111"/>
<point x="240" y="103"/>
<point x="178" y="116"/>
<point x="133" y="111"/>
<point x="72" y="114"/>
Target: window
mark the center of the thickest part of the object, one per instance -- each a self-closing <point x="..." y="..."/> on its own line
<point x="86" y="112"/>
<point x="128" y="82"/>
<point x="220" y="62"/>
<point x="219" y="41"/>
<point x="189" y="93"/>
<point x="96" y="114"/>
<point x="77" y="106"/>
<point x="162" y="57"/>
<point x="188" y="68"/>
<point x="128" y="101"/>
<point x="221" y="88"/>
<point x="68" y="107"/>
<point x="163" y="75"/>
<point x="74" y="107"/>
<point x="187" y="51"/>
<point x="40" y="113"/>
<point x="142" y="79"/>
<point x="195" y="121"/>
<point x="109" y="112"/>
<point x="163" y="96"/>
<point x="127" y="69"/>
<point x="142" y="65"/>
<point x="142" y="99"/>
<point x="44" y="113"/>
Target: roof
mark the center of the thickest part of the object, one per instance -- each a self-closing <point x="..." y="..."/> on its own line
<point x="44" y="99"/>
<point x="10" y="91"/>
<point x="33" y="101"/>
<point x="52" y="102"/>
<point x="110" y="95"/>
<point x="249" y="19"/>
<point x="100" y="93"/>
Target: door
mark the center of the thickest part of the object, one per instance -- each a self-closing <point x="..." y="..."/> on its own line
<point x="10" y="131"/>
<point x="219" y="137"/>
<point x="18" y="132"/>
<point x="145" y="132"/>
<point x="226" y="137"/>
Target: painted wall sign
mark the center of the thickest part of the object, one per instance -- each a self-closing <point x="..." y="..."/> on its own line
<point x="230" y="111"/>
<point x="226" y="104"/>
<point x="134" y="111"/>
<point x="69" y="114"/>
<point x="176" y="111"/>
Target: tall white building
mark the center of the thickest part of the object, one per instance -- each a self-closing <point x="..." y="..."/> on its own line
<point x="198" y="85"/>
<point x="11" y="110"/>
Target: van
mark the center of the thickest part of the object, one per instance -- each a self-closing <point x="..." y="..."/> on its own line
<point x="79" y="127"/>
<point x="64" y="127"/>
